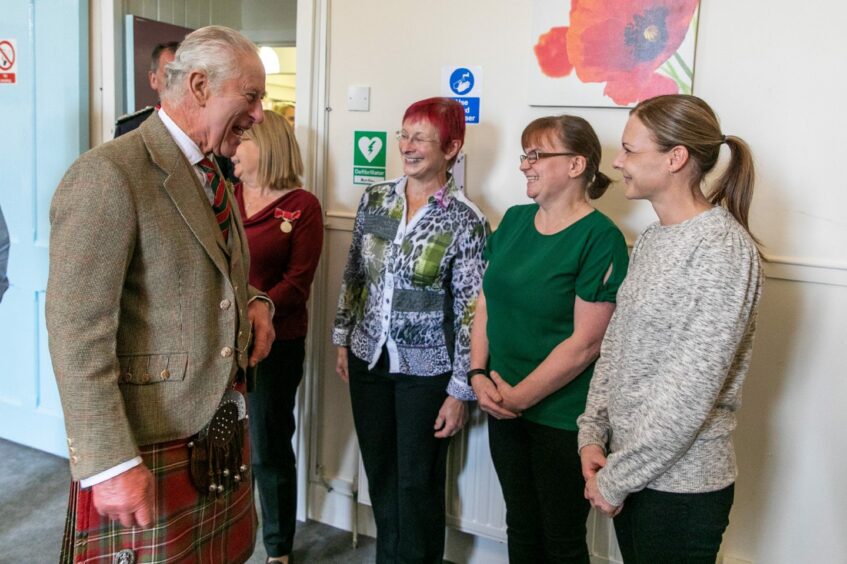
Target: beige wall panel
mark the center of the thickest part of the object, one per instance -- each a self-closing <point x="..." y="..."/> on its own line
<point x="197" y="13"/>
<point x="143" y="8"/>
<point x="337" y="446"/>
<point x="226" y="12"/>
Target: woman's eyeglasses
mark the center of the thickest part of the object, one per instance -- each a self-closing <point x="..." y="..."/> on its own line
<point x="414" y="139"/>
<point x="533" y="156"/>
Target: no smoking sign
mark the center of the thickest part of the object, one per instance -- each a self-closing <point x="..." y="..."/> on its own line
<point x="8" y="61"/>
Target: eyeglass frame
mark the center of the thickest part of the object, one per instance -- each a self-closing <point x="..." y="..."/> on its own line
<point x="401" y="135"/>
<point x="534" y="155"/>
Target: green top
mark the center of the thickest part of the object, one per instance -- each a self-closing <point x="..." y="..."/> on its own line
<point x="530" y="288"/>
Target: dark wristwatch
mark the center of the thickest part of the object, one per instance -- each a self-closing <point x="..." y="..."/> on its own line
<point x="476" y="371"/>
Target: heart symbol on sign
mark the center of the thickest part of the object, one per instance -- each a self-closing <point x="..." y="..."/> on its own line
<point x="370" y="147"/>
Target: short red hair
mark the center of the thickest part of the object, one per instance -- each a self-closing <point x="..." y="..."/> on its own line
<point x="447" y="115"/>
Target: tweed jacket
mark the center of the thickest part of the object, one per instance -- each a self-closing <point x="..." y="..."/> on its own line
<point x="146" y="304"/>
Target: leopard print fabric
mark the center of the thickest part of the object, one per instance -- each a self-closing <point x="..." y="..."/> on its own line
<point x="413" y="288"/>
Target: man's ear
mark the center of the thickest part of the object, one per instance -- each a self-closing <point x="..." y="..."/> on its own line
<point x="153" y="80"/>
<point x="198" y="86"/>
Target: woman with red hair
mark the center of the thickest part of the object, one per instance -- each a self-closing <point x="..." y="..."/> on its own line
<point x="403" y="329"/>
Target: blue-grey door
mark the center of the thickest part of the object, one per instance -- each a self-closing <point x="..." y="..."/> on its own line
<point x="43" y="128"/>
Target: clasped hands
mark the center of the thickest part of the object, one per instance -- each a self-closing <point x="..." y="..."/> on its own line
<point x="497" y="397"/>
<point x="593" y="460"/>
<point x="503" y="401"/>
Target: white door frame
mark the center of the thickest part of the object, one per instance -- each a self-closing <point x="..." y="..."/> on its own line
<point x="312" y="127"/>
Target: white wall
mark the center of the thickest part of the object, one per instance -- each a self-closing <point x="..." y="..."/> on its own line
<point x="772" y="72"/>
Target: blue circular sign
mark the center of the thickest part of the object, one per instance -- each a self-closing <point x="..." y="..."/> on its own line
<point x="461" y="81"/>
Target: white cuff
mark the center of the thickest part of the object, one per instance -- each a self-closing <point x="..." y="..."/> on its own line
<point x="266" y="299"/>
<point x="110" y="473"/>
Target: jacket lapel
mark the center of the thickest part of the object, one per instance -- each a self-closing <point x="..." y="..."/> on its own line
<point x="185" y="190"/>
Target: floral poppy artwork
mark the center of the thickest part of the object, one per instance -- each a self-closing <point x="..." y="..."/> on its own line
<point x="611" y="53"/>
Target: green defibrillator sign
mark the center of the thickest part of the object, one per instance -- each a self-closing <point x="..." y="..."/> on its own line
<point x="368" y="156"/>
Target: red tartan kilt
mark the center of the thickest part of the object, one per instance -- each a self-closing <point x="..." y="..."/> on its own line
<point x="189" y="527"/>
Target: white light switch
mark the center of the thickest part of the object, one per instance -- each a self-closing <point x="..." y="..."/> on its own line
<point x="359" y="98"/>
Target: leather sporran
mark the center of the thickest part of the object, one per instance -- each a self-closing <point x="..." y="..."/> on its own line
<point x="215" y="453"/>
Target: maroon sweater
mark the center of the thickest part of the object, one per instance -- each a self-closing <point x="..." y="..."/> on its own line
<point x="283" y="264"/>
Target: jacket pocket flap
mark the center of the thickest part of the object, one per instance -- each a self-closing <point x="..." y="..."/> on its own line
<point x="141" y="369"/>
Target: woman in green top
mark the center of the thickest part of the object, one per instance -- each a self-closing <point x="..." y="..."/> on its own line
<point x="548" y="293"/>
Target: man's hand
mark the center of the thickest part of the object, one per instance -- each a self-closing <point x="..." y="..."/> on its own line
<point x="593" y="459"/>
<point x="451" y="418"/>
<point x="489" y="398"/>
<point x="341" y="364"/>
<point x="128" y="497"/>
<point x="259" y="314"/>
<point x="598" y="502"/>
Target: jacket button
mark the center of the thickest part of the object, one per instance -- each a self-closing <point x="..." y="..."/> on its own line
<point x="226" y="352"/>
<point x="165" y="374"/>
<point x="74" y="459"/>
<point x="225" y="304"/>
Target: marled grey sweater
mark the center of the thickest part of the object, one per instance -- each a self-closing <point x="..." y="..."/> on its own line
<point x="668" y="381"/>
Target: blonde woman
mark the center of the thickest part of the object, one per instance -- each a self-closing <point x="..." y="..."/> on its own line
<point x="655" y="438"/>
<point x="285" y="233"/>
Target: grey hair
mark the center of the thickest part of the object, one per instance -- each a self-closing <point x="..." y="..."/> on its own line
<point x="215" y="49"/>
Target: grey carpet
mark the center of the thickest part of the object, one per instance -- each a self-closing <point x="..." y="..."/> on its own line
<point x="34" y="495"/>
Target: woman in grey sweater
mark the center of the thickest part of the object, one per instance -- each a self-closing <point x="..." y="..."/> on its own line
<point x="655" y="436"/>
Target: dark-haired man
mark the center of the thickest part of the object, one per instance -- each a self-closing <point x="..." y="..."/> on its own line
<point x="162" y="54"/>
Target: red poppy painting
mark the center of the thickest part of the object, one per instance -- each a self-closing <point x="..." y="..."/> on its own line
<point x="611" y="52"/>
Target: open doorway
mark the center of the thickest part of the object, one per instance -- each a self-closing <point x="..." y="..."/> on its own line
<point x="272" y="26"/>
<point x="281" y="83"/>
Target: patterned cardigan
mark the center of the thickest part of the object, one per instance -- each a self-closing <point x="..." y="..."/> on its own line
<point x="412" y="287"/>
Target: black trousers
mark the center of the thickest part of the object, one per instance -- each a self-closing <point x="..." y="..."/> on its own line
<point x="406" y="465"/>
<point x="271" y="409"/>
<point x="670" y="528"/>
<point x="541" y="476"/>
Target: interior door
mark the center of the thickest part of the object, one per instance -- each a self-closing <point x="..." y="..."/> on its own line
<point x="43" y="128"/>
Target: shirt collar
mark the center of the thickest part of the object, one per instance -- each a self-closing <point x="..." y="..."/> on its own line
<point x="188" y="147"/>
<point x="442" y="197"/>
<point x="446" y="193"/>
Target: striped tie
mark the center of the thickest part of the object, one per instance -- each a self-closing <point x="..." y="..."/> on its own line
<point x="220" y="204"/>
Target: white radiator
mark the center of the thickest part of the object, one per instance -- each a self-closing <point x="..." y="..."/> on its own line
<point x="474" y="499"/>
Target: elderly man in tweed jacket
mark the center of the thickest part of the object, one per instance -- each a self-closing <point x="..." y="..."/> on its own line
<point x="150" y="316"/>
